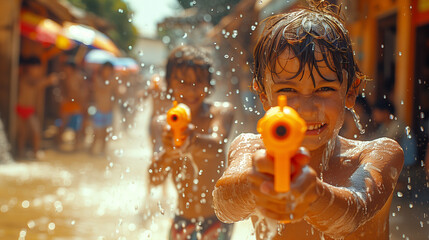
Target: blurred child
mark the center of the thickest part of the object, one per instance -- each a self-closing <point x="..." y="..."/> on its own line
<point x="74" y="102"/>
<point x="32" y="83"/>
<point x="387" y="124"/>
<point x="104" y="92"/>
<point x="346" y="190"/>
<point x="197" y="164"/>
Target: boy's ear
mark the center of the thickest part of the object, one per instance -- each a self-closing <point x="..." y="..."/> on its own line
<point x="264" y="99"/>
<point x="262" y="95"/>
<point x="351" y="96"/>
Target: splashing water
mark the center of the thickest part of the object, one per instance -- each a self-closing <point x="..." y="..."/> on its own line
<point x="327" y="154"/>
<point x="356" y="118"/>
<point x="266" y="225"/>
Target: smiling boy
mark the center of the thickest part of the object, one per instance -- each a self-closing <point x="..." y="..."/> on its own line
<point x="345" y="190"/>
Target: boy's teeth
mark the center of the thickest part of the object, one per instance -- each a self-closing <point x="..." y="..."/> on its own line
<point x="314" y="126"/>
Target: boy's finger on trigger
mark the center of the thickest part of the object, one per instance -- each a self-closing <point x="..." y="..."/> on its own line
<point x="302" y="157"/>
<point x="262" y="163"/>
<point x="258" y="178"/>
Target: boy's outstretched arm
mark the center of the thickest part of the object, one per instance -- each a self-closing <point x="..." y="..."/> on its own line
<point x="163" y="152"/>
<point x="339" y="211"/>
<point x="232" y="199"/>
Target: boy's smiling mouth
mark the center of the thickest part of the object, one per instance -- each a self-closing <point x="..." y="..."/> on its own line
<point x="315" y="128"/>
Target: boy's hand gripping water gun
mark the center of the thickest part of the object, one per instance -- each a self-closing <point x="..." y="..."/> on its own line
<point x="282" y="131"/>
<point x="178" y="117"/>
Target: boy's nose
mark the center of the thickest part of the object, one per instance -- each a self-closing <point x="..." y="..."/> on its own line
<point x="306" y="106"/>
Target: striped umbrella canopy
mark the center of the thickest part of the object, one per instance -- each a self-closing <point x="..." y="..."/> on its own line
<point x="90" y="37"/>
<point x="44" y="30"/>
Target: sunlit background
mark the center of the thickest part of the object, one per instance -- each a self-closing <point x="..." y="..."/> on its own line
<point x="72" y="189"/>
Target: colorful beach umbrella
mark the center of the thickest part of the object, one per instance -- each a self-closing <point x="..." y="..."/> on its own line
<point x="44" y="30"/>
<point x="90" y="37"/>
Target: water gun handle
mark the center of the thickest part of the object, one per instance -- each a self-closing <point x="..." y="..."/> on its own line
<point x="282" y="171"/>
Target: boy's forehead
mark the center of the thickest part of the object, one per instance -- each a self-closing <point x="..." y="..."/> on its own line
<point x="289" y="62"/>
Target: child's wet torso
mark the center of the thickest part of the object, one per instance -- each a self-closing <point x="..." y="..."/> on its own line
<point x="197" y="171"/>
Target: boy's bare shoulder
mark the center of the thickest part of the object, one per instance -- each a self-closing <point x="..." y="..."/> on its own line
<point x="379" y="147"/>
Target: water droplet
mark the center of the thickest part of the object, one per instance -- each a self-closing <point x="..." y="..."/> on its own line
<point x="22" y="234"/>
<point x="120" y="10"/>
<point x="51" y="226"/>
<point x="408" y="131"/>
<point x="400" y="194"/>
<point x="31" y="224"/>
<point x="25" y="204"/>
<point x="119" y="152"/>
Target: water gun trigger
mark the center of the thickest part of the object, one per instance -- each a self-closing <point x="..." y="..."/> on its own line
<point x="282" y="131"/>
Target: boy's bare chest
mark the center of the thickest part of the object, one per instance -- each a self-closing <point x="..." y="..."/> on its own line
<point x="203" y="125"/>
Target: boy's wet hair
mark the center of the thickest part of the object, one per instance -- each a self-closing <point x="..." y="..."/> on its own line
<point x="189" y="57"/>
<point x="301" y="31"/>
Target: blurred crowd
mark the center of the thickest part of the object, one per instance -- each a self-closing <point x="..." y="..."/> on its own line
<point x="83" y="105"/>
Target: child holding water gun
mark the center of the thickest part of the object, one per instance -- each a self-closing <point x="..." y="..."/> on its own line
<point x="193" y="134"/>
<point x="339" y="188"/>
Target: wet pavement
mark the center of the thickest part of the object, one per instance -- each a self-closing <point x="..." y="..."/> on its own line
<point x="69" y="196"/>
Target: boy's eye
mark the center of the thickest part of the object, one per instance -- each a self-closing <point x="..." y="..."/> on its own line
<point x="286" y="90"/>
<point x="325" y="89"/>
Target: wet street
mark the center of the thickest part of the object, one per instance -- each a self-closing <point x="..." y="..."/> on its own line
<point x="78" y="196"/>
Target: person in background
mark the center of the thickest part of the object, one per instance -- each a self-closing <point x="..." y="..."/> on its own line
<point x="104" y="93"/>
<point x="74" y="103"/>
<point x="198" y="163"/>
<point x="32" y="83"/>
<point x="386" y="122"/>
<point x="388" y="125"/>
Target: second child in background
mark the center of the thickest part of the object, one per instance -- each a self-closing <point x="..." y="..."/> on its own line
<point x="32" y="83"/>
<point x="104" y="93"/>
<point x="74" y="103"/>
<point x="195" y="166"/>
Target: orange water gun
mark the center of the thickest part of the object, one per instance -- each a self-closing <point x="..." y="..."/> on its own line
<point x="178" y="117"/>
<point x="282" y="131"/>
